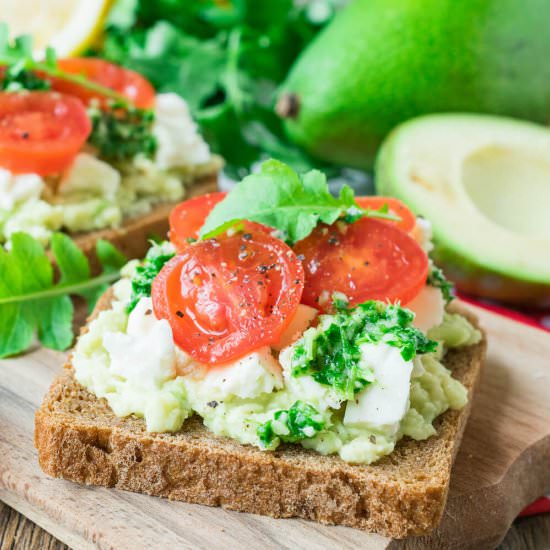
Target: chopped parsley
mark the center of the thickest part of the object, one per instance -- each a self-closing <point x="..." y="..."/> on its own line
<point x="331" y="352"/>
<point x="122" y="131"/>
<point x="437" y="279"/>
<point x="300" y="421"/>
<point x="142" y="280"/>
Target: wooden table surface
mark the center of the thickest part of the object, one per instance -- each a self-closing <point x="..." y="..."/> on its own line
<point x="19" y="533"/>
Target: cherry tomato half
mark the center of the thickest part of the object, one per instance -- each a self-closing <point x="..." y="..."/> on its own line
<point x="408" y="219"/>
<point x="124" y="81"/>
<point x="41" y="132"/>
<point x="188" y="217"/>
<point x="226" y="297"/>
<point x="366" y="260"/>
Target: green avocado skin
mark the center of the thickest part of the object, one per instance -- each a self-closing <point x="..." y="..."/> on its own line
<point x="381" y="62"/>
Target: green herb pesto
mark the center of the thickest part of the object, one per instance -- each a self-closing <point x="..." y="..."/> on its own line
<point x="122" y="131"/>
<point x="300" y="421"/>
<point x="437" y="279"/>
<point x="144" y="274"/>
<point x="330" y="352"/>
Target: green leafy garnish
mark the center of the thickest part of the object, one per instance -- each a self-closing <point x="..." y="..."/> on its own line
<point x="300" y="421"/>
<point x="121" y="132"/>
<point x="331" y="354"/>
<point x="31" y="301"/>
<point x="226" y="59"/>
<point x="143" y="277"/>
<point x="437" y="279"/>
<point x="279" y="197"/>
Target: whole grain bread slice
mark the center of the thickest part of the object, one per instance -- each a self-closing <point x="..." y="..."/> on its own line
<point x="79" y="438"/>
<point x="133" y="236"/>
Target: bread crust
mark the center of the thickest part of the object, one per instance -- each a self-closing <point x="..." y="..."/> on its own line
<point x="80" y="439"/>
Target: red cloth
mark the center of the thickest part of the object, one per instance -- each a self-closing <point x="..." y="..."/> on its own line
<point x="535" y="318"/>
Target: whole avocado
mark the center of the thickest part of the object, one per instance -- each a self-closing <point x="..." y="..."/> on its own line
<point x="381" y="62"/>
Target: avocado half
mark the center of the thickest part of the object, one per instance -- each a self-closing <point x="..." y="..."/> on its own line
<point x="484" y="183"/>
<point x="382" y="62"/>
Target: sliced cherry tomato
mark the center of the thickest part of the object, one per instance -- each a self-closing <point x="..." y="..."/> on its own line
<point x="366" y="260"/>
<point x="188" y="217"/>
<point x="41" y="132"/>
<point x="124" y="81"/>
<point x="408" y="219"/>
<point x="226" y="297"/>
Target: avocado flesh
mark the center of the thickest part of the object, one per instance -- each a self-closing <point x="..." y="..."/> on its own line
<point x="381" y="62"/>
<point x="484" y="183"/>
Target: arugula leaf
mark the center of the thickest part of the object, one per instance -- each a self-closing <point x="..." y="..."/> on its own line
<point x="437" y="278"/>
<point x="331" y="353"/>
<point x="30" y="299"/>
<point x="300" y="421"/>
<point x="278" y="197"/>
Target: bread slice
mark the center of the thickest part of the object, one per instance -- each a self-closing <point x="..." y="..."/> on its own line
<point x="79" y="438"/>
<point x="132" y="237"/>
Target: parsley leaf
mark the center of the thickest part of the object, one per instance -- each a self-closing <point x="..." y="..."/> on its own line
<point x="31" y="302"/>
<point x="142" y="280"/>
<point x="331" y="354"/>
<point x="277" y="196"/>
<point x="437" y="278"/>
<point x="300" y="421"/>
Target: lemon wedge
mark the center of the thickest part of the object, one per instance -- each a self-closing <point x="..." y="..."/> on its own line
<point x="69" y="26"/>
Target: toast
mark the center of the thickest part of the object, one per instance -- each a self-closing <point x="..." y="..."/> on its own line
<point x="133" y="236"/>
<point x="80" y="439"/>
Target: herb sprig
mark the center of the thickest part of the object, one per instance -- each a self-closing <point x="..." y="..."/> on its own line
<point x="33" y="302"/>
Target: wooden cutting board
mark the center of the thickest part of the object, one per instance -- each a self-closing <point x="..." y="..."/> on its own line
<point x="503" y="464"/>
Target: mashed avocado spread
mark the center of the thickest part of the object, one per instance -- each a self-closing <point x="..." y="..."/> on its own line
<point x="352" y="385"/>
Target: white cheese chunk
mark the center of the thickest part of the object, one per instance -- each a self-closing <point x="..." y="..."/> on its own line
<point x="178" y="140"/>
<point x="428" y="307"/>
<point x="423" y="233"/>
<point x="384" y="402"/>
<point x="145" y="354"/>
<point x="15" y="189"/>
<point x="247" y="377"/>
<point x="90" y="176"/>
